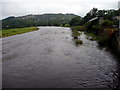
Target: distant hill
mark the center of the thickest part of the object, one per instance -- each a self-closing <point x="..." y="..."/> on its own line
<point x="37" y="20"/>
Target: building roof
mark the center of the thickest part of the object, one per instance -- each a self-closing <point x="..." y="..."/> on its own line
<point x="95" y="18"/>
<point x="118" y="17"/>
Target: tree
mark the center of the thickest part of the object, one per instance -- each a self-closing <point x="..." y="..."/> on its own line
<point x="107" y="23"/>
<point x="91" y="14"/>
<point x="101" y="13"/>
<point x="76" y="21"/>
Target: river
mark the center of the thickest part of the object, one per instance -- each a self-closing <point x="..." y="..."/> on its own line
<point x="48" y="58"/>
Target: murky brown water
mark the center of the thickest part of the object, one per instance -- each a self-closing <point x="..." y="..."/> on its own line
<point x="48" y="58"/>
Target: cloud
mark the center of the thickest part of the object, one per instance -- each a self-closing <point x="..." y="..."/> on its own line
<point x="79" y="7"/>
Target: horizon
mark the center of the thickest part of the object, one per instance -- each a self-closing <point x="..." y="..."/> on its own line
<point x="48" y="13"/>
<point x="36" y="14"/>
<point x="78" y="7"/>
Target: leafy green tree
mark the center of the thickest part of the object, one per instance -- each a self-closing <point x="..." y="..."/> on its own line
<point x="107" y="23"/>
<point x="91" y="14"/>
<point x="101" y="13"/>
<point x="76" y="21"/>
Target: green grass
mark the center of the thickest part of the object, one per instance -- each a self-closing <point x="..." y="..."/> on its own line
<point x="94" y="37"/>
<point x="75" y="33"/>
<point x="11" y="32"/>
<point x="79" y="28"/>
<point x="103" y="39"/>
<point x="78" y="42"/>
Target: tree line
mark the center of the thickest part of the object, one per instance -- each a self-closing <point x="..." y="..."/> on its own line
<point x="37" y="20"/>
<point x="102" y="25"/>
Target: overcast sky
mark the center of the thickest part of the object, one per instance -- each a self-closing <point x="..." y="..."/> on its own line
<point x="79" y="7"/>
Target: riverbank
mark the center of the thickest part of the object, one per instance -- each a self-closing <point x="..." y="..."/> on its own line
<point x="111" y="43"/>
<point x="104" y="39"/>
<point x="11" y="32"/>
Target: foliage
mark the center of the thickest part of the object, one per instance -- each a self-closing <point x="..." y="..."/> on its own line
<point x="105" y="14"/>
<point x="94" y="37"/>
<point x="78" y="42"/>
<point x="66" y="25"/>
<point x="96" y="27"/>
<point x="101" y="13"/>
<point x="107" y="23"/>
<point x="75" y="33"/>
<point x="90" y="15"/>
<point x="76" y="21"/>
<point x="102" y="26"/>
<point x="104" y="39"/>
<point x="79" y="28"/>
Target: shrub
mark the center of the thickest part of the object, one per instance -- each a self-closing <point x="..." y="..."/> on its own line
<point x="107" y="23"/>
<point x="79" y="28"/>
<point x="66" y="25"/>
<point x="75" y="33"/>
<point x="104" y="39"/>
<point x="76" y="21"/>
<point x="78" y="42"/>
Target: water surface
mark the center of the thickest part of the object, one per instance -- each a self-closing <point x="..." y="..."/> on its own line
<point x="48" y="58"/>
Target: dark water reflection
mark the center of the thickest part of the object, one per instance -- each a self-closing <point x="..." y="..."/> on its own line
<point x="48" y="58"/>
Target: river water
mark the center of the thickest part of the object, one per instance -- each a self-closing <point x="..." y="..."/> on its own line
<point x="48" y="58"/>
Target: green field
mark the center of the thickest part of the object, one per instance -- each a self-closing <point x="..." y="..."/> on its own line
<point x="11" y="32"/>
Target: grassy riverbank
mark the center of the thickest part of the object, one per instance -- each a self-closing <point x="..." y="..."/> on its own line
<point x="106" y="39"/>
<point x="11" y="32"/>
<point x="75" y="35"/>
